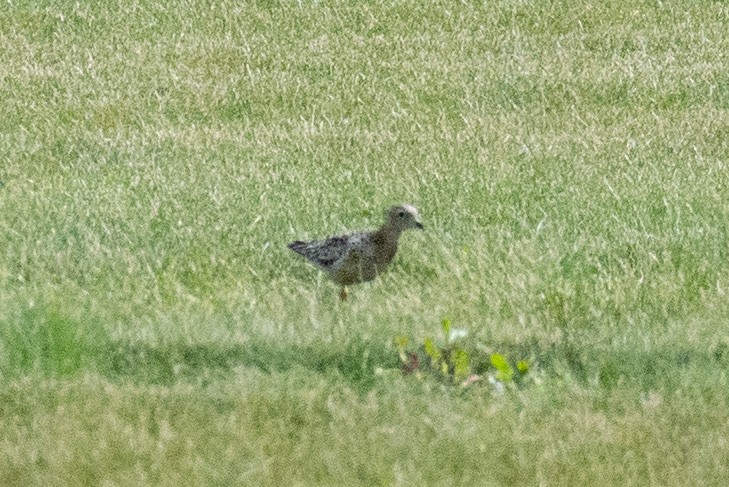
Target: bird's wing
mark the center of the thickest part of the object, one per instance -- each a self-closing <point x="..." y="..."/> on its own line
<point x="359" y="249"/>
<point x="327" y="253"/>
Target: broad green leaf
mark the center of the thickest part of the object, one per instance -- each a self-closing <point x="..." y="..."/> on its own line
<point x="505" y="372"/>
<point x="500" y="362"/>
<point x="461" y="363"/>
<point x="446" y="327"/>
<point x="432" y="350"/>
<point x="522" y="366"/>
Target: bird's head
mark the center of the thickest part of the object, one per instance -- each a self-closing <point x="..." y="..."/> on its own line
<point x="403" y="217"/>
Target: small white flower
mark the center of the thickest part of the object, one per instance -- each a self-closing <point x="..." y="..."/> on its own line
<point x="498" y="385"/>
<point x="457" y="334"/>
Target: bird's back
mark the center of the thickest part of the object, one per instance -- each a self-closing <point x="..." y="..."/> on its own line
<point x="323" y="253"/>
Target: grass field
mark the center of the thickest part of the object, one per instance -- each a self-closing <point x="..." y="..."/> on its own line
<point x="569" y="160"/>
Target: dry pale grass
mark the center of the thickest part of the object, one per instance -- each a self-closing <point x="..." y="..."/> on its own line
<point x="569" y="163"/>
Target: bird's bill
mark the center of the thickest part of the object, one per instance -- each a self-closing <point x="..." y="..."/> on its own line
<point x="419" y="225"/>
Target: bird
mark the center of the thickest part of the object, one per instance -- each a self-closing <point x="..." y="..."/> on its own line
<point x="359" y="257"/>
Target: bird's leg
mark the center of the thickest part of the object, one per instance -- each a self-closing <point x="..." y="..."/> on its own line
<point x="344" y="293"/>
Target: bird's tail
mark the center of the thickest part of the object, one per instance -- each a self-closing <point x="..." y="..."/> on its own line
<point x="299" y="247"/>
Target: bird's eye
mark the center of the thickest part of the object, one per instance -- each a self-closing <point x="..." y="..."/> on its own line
<point x="401" y="214"/>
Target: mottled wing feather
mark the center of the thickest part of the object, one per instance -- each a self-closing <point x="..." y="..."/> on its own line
<point x="359" y="248"/>
<point x="324" y="253"/>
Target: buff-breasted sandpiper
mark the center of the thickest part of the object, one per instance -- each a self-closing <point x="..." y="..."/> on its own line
<point x="359" y="257"/>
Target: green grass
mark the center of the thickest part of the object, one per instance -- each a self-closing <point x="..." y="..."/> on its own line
<point x="569" y="160"/>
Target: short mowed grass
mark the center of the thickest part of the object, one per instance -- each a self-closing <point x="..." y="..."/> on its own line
<point x="569" y="160"/>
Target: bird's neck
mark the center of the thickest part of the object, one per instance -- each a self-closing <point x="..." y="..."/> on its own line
<point x="389" y="233"/>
